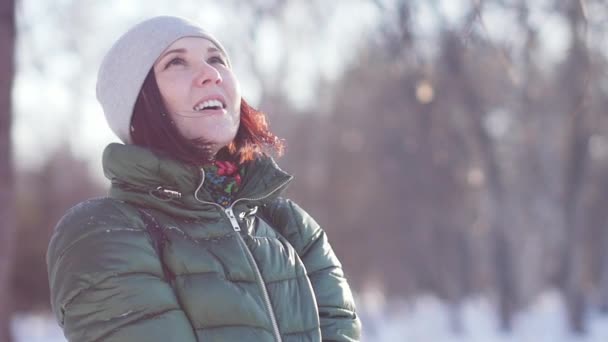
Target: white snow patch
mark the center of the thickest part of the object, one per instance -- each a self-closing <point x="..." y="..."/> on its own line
<point x="421" y="319"/>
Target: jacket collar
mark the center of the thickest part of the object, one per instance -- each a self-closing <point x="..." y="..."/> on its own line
<point x="143" y="177"/>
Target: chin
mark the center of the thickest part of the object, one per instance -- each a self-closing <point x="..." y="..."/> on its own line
<point x="220" y="141"/>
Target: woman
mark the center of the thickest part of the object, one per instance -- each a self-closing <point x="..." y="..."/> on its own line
<point x="194" y="242"/>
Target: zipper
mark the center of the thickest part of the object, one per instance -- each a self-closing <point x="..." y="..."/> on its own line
<point x="237" y="228"/>
<point x="232" y="218"/>
<point x="261" y="283"/>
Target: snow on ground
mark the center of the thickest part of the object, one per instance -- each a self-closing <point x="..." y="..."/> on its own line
<point x="36" y="327"/>
<point x="427" y="319"/>
<point x="424" y="319"/>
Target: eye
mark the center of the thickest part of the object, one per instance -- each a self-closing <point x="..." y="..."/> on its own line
<point x="217" y="59"/>
<point x="175" y="61"/>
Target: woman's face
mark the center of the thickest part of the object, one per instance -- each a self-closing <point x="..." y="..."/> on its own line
<point x="199" y="90"/>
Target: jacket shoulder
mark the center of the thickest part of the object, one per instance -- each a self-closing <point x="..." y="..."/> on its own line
<point x="96" y="213"/>
<point x="103" y="208"/>
<point x="293" y="222"/>
<point x="100" y="219"/>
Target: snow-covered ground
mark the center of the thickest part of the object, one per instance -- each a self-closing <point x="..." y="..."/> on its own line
<point x="36" y="327"/>
<point x="427" y="319"/>
<point x="423" y="320"/>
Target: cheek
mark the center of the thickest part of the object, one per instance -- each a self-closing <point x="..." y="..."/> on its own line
<point x="237" y="120"/>
<point x="232" y="87"/>
<point x="172" y="93"/>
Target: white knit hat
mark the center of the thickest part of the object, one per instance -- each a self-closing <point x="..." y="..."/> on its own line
<point x="125" y="67"/>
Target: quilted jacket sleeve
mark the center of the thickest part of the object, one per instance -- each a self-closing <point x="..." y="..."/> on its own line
<point x="339" y="321"/>
<point x="106" y="281"/>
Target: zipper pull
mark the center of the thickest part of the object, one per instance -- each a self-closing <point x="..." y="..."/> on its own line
<point x="232" y="218"/>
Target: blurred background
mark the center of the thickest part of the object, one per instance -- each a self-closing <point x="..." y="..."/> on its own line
<point x="456" y="151"/>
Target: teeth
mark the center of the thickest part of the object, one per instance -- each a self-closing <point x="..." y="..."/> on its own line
<point x="208" y="104"/>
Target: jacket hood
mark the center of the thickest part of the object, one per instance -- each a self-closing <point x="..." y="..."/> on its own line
<point x="143" y="177"/>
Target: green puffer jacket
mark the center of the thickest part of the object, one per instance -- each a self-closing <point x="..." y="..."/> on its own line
<point x="261" y="270"/>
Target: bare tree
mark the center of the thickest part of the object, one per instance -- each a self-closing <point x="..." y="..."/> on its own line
<point x="577" y="163"/>
<point x="7" y="192"/>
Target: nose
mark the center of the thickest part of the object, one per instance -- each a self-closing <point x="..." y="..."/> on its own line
<point x="207" y="74"/>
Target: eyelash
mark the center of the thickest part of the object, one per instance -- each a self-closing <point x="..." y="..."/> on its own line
<point x="218" y="58"/>
<point x="179" y="61"/>
<point x="174" y="61"/>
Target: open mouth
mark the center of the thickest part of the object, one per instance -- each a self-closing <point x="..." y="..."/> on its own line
<point x="209" y="105"/>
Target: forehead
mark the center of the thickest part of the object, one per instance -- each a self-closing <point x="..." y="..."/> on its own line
<point x="191" y="43"/>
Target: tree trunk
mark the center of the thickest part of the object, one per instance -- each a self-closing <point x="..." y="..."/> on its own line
<point x="502" y="251"/>
<point x="577" y="73"/>
<point x="7" y="192"/>
<point x="502" y="258"/>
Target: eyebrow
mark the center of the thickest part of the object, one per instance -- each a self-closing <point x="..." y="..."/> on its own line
<point x="182" y="50"/>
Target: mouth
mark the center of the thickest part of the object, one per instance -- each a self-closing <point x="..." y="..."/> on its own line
<point x="216" y="103"/>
